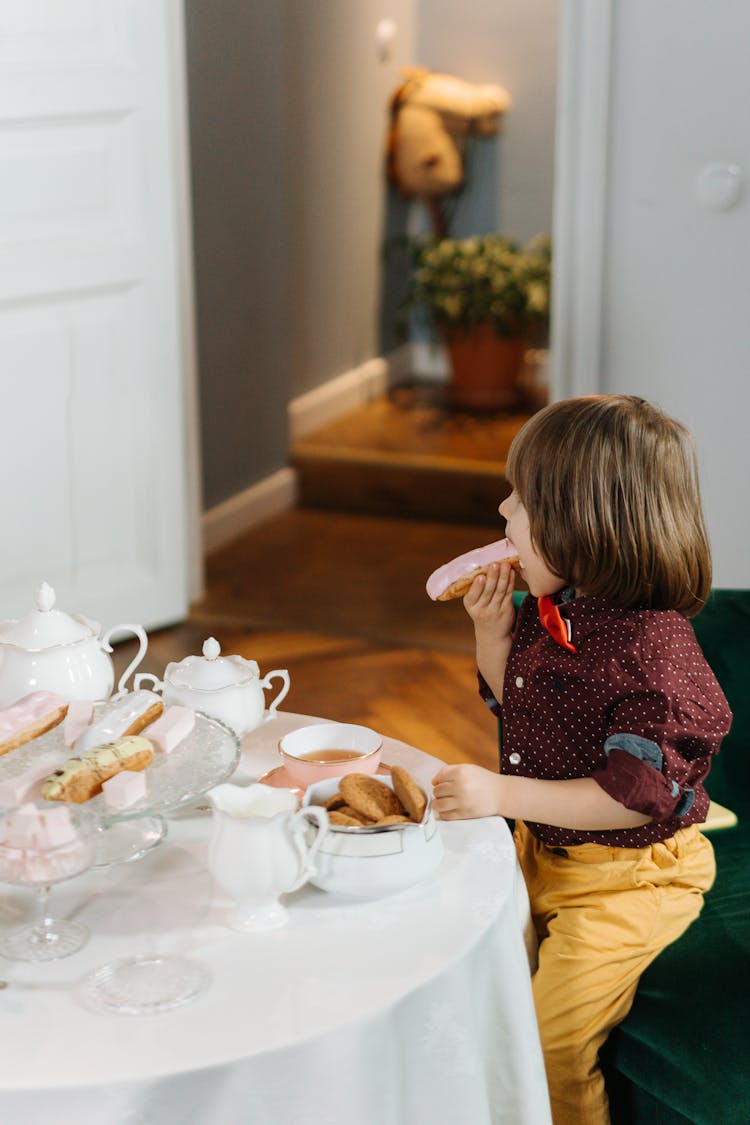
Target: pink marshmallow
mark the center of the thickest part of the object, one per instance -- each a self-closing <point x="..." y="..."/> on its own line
<point x="21" y="827"/>
<point x="170" y="728"/>
<point x="124" y="789"/>
<point x="57" y="828"/>
<point x="14" y="790"/>
<point x="79" y="716"/>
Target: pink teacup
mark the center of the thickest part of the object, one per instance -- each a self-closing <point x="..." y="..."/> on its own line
<point x="323" y="750"/>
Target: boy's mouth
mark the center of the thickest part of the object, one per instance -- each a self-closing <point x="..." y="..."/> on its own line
<point x="515" y="549"/>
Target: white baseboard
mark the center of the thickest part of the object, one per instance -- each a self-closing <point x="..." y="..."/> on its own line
<point x="247" y="509"/>
<point x="346" y="392"/>
<point x="278" y="493"/>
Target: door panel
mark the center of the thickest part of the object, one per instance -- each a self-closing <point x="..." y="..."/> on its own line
<point x="92" y="375"/>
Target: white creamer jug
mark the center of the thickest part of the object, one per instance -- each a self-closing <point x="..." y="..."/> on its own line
<point x="258" y="850"/>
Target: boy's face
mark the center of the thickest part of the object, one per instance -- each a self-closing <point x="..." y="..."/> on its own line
<point x="536" y="573"/>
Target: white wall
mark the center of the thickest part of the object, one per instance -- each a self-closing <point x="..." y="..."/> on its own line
<point x="338" y="95"/>
<point x="676" y="275"/>
<point x="512" y="43"/>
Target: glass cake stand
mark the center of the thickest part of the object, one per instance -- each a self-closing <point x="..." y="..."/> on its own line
<point x="205" y="758"/>
<point x="36" y="861"/>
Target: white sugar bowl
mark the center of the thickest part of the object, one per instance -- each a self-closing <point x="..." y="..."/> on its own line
<point x="49" y="650"/>
<point x="228" y="688"/>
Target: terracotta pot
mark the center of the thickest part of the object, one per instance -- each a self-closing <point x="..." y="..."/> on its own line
<point x="485" y="368"/>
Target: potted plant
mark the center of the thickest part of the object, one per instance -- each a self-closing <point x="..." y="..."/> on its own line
<point x="488" y="299"/>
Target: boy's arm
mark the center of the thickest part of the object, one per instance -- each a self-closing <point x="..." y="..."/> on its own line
<point x="464" y="791"/>
<point x="489" y="603"/>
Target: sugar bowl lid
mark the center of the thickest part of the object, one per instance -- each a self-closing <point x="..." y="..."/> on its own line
<point x="45" y="627"/>
<point x="211" y="671"/>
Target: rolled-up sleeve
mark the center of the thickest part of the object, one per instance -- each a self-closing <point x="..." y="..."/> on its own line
<point x="660" y="741"/>
<point x="638" y="781"/>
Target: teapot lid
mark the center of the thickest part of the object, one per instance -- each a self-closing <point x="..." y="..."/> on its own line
<point x="211" y="671"/>
<point x="44" y="626"/>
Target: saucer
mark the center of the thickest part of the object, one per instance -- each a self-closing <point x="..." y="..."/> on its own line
<point x="278" y="778"/>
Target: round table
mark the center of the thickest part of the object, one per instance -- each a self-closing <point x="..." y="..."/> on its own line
<point x="414" y="1008"/>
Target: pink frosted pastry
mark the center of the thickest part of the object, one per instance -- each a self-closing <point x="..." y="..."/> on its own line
<point x="30" y="717"/>
<point x="79" y="716"/>
<point x="454" y="578"/>
<point x="171" y="728"/>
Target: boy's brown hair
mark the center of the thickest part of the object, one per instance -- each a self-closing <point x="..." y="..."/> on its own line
<point x="610" y="485"/>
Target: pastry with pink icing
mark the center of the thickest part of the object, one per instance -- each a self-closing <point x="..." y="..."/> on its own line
<point x="454" y="578"/>
<point x="79" y="716"/>
<point x="29" y="717"/>
<point x="125" y="716"/>
<point x="171" y="728"/>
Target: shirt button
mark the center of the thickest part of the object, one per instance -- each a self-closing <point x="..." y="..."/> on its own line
<point x="514" y="758"/>
<point x="519" y="681"/>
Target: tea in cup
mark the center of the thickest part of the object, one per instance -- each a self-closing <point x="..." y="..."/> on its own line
<point x="323" y="750"/>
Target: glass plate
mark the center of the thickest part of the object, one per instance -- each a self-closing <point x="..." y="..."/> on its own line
<point x="208" y="756"/>
<point x="145" y="986"/>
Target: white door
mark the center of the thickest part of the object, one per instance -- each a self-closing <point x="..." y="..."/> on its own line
<point x="95" y="377"/>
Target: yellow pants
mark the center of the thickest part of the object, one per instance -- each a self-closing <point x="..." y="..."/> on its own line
<point x="601" y="915"/>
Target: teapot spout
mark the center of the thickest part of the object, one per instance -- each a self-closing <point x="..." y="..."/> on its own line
<point x="258" y="800"/>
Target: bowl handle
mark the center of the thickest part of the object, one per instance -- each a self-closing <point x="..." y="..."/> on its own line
<point x="279" y="674"/>
<point x="144" y="677"/>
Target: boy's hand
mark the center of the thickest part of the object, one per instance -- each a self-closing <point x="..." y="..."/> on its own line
<point x="489" y="599"/>
<point x="464" y="792"/>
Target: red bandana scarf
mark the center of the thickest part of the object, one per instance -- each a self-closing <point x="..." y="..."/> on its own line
<point x="552" y="621"/>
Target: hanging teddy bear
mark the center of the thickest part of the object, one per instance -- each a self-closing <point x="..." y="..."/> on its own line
<point x="431" y="117"/>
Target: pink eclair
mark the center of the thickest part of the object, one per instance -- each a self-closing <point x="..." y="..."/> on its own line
<point x="454" y="578"/>
<point x="29" y="717"/>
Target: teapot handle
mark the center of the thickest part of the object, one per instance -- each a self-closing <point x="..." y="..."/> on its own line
<point x="307" y="854"/>
<point x="280" y="674"/>
<point x="142" y="646"/>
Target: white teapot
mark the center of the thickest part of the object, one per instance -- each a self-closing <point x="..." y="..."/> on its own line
<point x="229" y="688"/>
<point x="49" y="650"/>
<point x="258" y="850"/>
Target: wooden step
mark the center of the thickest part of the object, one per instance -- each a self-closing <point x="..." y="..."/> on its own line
<point x="406" y="454"/>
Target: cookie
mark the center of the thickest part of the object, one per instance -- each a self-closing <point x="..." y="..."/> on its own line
<point x="394" y="818"/>
<point x="347" y="810"/>
<point x="409" y="793"/>
<point x="340" y="818"/>
<point x="369" y="796"/>
<point x="335" y="801"/>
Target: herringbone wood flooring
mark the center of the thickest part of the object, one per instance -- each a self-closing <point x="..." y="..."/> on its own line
<point x="338" y="599"/>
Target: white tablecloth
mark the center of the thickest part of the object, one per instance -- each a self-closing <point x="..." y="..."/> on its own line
<point x="411" y="1009"/>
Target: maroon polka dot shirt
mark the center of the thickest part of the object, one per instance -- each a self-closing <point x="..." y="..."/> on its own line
<point x="636" y="707"/>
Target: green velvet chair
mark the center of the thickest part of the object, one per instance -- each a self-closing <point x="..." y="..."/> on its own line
<point x="683" y="1053"/>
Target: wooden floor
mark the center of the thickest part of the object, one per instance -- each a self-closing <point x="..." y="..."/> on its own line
<point x="338" y="596"/>
<point x="339" y="600"/>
